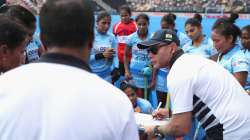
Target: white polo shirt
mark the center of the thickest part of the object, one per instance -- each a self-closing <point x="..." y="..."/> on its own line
<point x="49" y="101"/>
<point x="213" y="95"/>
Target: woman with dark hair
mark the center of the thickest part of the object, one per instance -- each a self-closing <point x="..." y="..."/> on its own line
<point x="140" y="105"/>
<point x="122" y="30"/>
<point x="13" y="39"/>
<point x="104" y="46"/>
<point x="225" y="37"/>
<point x="168" y="22"/>
<point x="18" y="13"/>
<point x="134" y="70"/>
<point x="199" y="44"/>
<point x="245" y="41"/>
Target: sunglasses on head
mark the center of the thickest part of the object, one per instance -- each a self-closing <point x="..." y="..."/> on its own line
<point x="154" y="49"/>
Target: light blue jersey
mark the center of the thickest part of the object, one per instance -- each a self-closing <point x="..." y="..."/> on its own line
<point x="205" y="49"/>
<point x="102" y="67"/>
<point x="144" y="105"/>
<point x="139" y="61"/>
<point x="247" y="54"/>
<point x="184" y="39"/>
<point x="161" y="80"/>
<point x="234" y="60"/>
<point x="32" y="53"/>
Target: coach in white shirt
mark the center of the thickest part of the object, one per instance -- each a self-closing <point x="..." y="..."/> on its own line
<point x="58" y="98"/>
<point x="198" y="88"/>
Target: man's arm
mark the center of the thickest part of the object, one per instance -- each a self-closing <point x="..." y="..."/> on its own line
<point x="179" y="125"/>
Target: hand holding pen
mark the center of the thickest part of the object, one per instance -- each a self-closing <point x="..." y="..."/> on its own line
<point x="160" y="113"/>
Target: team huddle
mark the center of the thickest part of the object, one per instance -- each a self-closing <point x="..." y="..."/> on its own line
<point x="61" y="84"/>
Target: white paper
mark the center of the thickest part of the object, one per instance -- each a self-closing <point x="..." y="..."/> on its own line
<point x="147" y="120"/>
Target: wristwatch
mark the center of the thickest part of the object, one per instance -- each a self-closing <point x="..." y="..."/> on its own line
<point x="157" y="132"/>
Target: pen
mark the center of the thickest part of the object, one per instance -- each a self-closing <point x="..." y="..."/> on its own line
<point x="159" y="105"/>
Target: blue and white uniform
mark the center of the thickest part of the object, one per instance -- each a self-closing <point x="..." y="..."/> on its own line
<point x="184" y="39"/>
<point x="234" y="60"/>
<point x="144" y="105"/>
<point x="247" y="54"/>
<point x="205" y="49"/>
<point x="102" y="67"/>
<point x="139" y="60"/>
<point x="32" y="53"/>
<point x="161" y="80"/>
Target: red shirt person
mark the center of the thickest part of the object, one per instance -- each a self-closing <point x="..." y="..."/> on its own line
<point x="122" y="30"/>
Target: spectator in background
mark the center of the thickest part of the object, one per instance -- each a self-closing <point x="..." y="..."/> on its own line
<point x="104" y="47"/>
<point x="245" y="41"/>
<point x="122" y="30"/>
<point x="13" y="40"/>
<point x="35" y="48"/>
<point x="140" y="105"/>
<point x="64" y="102"/>
<point x="225" y="36"/>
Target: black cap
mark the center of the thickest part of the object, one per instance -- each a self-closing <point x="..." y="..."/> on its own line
<point x="161" y="36"/>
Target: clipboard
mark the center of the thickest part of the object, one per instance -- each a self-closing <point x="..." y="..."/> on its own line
<point x="147" y="120"/>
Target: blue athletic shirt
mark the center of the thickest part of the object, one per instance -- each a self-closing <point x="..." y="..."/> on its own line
<point x="102" y="67"/>
<point x="161" y="80"/>
<point x="205" y="49"/>
<point x="247" y="54"/>
<point x="139" y="61"/>
<point x="144" y="105"/>
<point x="184" y="39"/>
<point x="32" y="53"/>
<point x="234" y="60"/>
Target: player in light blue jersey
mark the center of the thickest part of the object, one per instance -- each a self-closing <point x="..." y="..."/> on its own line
<point x="139" y="61"/>
<point x="34" y="49"/>
<point x="140" y="105"/>
<point x="104" y="46"/>
<point x="199" y="44"/>
<point x="245" y="41"/>
<point x="168" y="22"/>
<point x="224" y="35"/>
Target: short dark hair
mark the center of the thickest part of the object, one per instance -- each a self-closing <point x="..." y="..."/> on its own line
<point x="20" y="14"/>
<point x="12" y="34"/>
<point x="66" y="23"/>
<point x="126" y="8"/>
<point x="102" y="15"/>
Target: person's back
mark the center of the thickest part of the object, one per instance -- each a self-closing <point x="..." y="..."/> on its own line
<point x="53" y="109"/>
<point x="219" y="102"/>
<point x="63" y="101"/>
